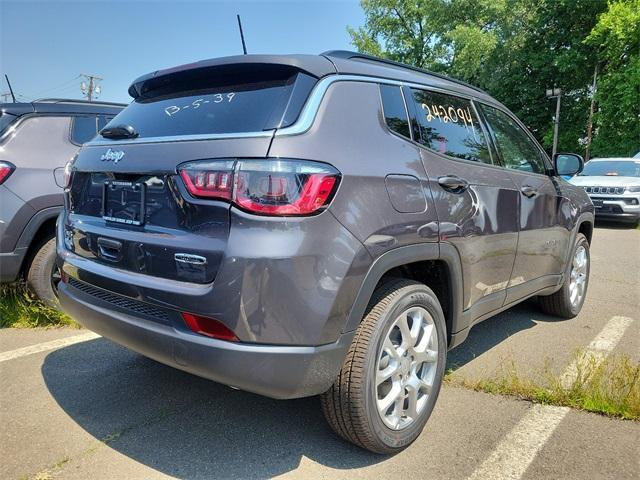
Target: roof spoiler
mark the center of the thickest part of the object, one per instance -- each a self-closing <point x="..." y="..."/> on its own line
<point x="314" y="65"/>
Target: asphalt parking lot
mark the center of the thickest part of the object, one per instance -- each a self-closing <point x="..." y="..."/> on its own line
<point x="74" y="406"/>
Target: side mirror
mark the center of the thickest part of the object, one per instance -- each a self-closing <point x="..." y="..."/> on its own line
<point x="568" y="164"/>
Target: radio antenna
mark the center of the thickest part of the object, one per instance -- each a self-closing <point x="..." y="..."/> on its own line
<point x="244" y="46"/>
<point x="11" y="89"/>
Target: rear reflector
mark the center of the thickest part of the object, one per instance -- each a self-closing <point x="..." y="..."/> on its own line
<point x="6" y="169"/>
<point x="209" y="327"/>
<point x="267" y="187"/>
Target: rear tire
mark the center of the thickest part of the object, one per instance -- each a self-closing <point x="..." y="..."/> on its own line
<point x="43" y="274"/>
<point x="411" y="363"/>
<point x="567" y="302"/>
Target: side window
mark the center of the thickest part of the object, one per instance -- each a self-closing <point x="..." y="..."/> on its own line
<point x="449" y="125"/>
<point x="516" y="149"/>
<point x="83" y="129"/>
<point x="395" y="113"/>
<point x="103" y="120"/>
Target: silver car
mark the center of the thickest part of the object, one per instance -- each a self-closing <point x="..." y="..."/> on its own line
<point x="614" y="187"/>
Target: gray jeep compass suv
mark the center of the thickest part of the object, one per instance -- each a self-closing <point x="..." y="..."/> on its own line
<point x="301" y="225"/>
<point x="36" y="140"/>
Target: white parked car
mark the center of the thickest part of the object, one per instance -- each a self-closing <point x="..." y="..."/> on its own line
<point x="614" y="187"/>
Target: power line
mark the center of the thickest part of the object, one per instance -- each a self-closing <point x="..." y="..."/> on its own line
<point x="63" y="85"/>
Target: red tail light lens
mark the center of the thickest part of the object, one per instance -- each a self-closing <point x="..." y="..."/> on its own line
<point x="267" y="187"/>
<point x="209" y="327"/>
<point x="6" y="169"/>
<point x="208" y="179"/>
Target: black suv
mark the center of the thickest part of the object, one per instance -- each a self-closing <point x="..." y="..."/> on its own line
<point x="301" y="225"/>
<point x="36" y="140"/>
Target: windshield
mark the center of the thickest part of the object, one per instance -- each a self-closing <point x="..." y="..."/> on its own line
<point x="616" y="168"/>
<point x="213" y="105"/>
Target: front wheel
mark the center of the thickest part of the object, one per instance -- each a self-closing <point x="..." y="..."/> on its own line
<point x="567" y="302"/>
<point x="392" y="374"/>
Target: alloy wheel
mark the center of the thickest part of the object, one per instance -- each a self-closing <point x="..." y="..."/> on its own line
<point x="406" y="368"/>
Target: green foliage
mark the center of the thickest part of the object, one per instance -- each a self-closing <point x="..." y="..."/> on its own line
<point x="516" y="49"/>
<point x="20" y="309"/>
<point x="609" y="387"/>
<point x="616" y="37"/>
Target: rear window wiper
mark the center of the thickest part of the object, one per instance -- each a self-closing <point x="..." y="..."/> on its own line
<point x="119" y="131"/>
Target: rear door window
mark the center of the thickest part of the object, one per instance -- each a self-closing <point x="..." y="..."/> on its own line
<point x="395" y="113"/>
<point x="218" y="102"/>
<point x="83" y="129"/>
<point x="449" y="125"/>
<point x="516" y="149"/>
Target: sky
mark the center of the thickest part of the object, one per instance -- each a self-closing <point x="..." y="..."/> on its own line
<point x="46" y="45"/>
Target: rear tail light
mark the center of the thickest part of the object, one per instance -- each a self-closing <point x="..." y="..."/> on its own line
<point x="6" y="169"/>
<point x="209" y="327"/>
<point x="209" y="179"/>
<point x="267" y="187"/>
<point x="68" y="173"/>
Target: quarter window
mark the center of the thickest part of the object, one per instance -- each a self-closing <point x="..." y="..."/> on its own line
<point x="449" y="125"/>
<point x="517" y="150"/>
<point x="395" y="113"/>
<point x="83" y="129"/>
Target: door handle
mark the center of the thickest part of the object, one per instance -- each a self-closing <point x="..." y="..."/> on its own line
<point x="529" y="191"/>
<point x="109" y="249"/>
<point x="453" y="183"/>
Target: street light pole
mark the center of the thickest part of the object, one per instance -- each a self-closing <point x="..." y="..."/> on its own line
<point x="555" y="93"/>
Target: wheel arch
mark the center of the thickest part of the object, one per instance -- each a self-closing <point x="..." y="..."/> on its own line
<point x="40" y="228"/>
<point x="436" y="265"/>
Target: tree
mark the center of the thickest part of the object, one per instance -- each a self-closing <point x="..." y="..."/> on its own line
<point x="515" y="50"/>
<point x="616" y="37"/>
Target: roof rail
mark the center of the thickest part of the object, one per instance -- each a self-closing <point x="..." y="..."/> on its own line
<point x="349" y="55"/>
<point x="74" y="100"/>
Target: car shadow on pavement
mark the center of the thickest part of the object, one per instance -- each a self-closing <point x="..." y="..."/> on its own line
<point x="189" y="427"/>
<point x="612" y="225"/>
<point x="186" y="426"/>
<point x="494" y="330"/>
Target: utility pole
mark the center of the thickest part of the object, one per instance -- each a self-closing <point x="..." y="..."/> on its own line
<point x="5" y="97"/>
<point x="90" y="87"/>
<point x="587" y="152"/>
<point x="555" y="93"/>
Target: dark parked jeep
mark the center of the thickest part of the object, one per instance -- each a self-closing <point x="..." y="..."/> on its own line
<point x="302" y="225"/>
<point x="36" y="140"/>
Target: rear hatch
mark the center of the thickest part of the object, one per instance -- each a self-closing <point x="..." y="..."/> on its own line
<point x="128" y="207"/>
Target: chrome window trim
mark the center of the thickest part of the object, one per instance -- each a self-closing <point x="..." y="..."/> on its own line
<point x="302" y="124"/>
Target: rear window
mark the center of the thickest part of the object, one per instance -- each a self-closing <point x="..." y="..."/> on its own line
<point x="449" y="125"/>
<point x="6" y="119"/>
<point x="217" y="102"/>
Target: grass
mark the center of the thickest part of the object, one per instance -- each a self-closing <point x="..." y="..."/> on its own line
<point x="19" y="308"/>
<point x="609" y="386"/>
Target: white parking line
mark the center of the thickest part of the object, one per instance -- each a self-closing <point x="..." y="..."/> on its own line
<point x="598" y="349"/>
<point x="43" y="347"/>
<point x="519" y="447"/>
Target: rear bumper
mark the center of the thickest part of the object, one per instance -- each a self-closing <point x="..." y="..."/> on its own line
<point x="274" y="371"/>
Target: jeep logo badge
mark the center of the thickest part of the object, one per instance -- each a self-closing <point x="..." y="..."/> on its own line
<point x="112" y="156"/>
